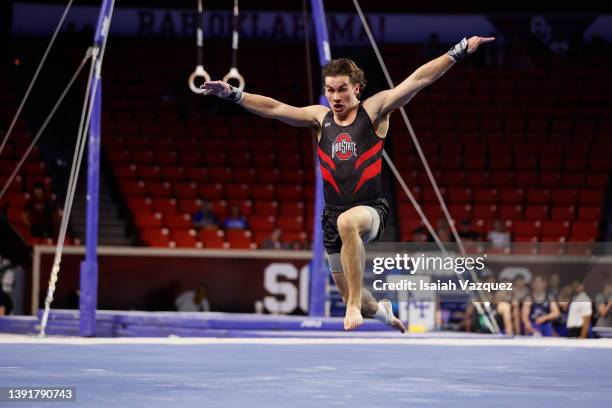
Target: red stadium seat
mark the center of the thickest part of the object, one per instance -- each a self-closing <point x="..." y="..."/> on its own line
<point x="138" y="204"/>
<point x="485" y="196"/>
<point x="266" y="207"/>
<point x="555" y="231"/>
<point x="240" y="239"/>
<point x="526" y="180"/>
<point x="163" y="205"/>
<point x="289" y="192"/>
<point x="537" y="196"/>
<point x="186" y="190"/>
<point x="261" y="222"/>
<point x="562" y="213"/>
<point x="536" y="213"/>
<point x="237" y="191"/>
<point x="262" y="192"/>
<point x="484" y="212"/>
<point x="213" y="239"/>
<point x="245" y="175"/>
<point x="142" y="157"/>
<point x="173" y="220"/>
<point x="583" y="231"/>
<point x="460" y="212"/>
<point x="156" y="237"/>
<point x="185" y="238"/>
<point x="564" y="197"/>
<point x="290" y="223"/>
<point x="148" y="220"/>
<point x="295" y="208"/>
<point x="196" y="174"/>
<point x="591" y="197"/>
<point x="590" y="213"/>
<point x="292" y="176"/>
<point x="573" y="180"/>
<point x="502" y="179"/>
<point x="159" y="188"/>
<point x="211" y="191"/>
<point x="459" y="195"/>
<point x="511" y="196"/>
<point x="220" y="174"/>
<point x="268" y="175"/>
<point x="148" y="173"/>
<point x="189" y="206"/>
<point x="189" y="158"/>
<point x="172" y="173"/>
<point x="530" y="229"/>
<point x="132" y="188"/>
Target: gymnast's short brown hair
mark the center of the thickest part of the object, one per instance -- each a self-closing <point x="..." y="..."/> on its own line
<point x="345" y="66"/>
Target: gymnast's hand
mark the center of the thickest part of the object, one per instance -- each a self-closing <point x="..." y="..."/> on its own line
<point x="217" y="88"/>
<point x="474" y="42"/>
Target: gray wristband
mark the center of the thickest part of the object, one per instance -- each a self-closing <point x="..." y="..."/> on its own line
<point x="459" y="51"/>
<point x="235" y="94"/>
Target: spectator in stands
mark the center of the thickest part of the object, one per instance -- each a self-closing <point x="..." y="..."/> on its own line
<point x="502" y="300"/>
<point x="205" y="218"/>
<point x="520" y="293"/>
<point x="579" y="314"/>
<point x="274" y="240"/>
<point x="563" y="300"/>
<point x="194" y="301"/>
<point x="553" y="285"/>
<point x="539" y="310"/>
<point x="443" y="231"/>
<point x="603" y="301"/>
<point x="466" y="233"/>
<point x="421" y="235"/>
<point x="298" y="245"/>
<point x="236" y="220"/>
<point x="498" y="236"/>
<point x="41" y="213"/>
<point x="6" y="305"/>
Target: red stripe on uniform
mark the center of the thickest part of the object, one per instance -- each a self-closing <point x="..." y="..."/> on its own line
<point x="370" y="172"/>
<point x="326" y="158"/>
<point x="365" y="156"/>
<point x="329" y="178"/>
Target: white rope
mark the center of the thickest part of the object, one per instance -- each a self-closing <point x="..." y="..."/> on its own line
<point x="88" y="54"/>
<point x="40" y="65"/>
<point x="90" y="97"/>
<point x="491" y="323"/>
<point x="72" y="181"/>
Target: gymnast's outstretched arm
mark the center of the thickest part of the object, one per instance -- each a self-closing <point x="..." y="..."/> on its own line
<point x="384" y="102"/>
<point x="309" y="116"/>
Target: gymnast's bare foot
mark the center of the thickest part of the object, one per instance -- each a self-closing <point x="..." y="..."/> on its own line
<point x="353" y="318"/>
<point x="390" y="319"/>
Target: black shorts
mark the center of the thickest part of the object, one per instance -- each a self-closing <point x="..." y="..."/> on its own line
<point x="329" y="221"/>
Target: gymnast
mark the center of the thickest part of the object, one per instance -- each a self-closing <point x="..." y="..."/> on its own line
<point x="351" y="137"/>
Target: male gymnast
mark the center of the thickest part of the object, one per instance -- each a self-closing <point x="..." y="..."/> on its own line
<point x="351" y="138"/>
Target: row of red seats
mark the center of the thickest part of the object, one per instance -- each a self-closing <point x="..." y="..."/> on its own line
<point x="211" y="158"/>
<point x="215" y="191"/>
<point x="256" y="222"/>
<point x="460" y="180"/>
<point x="212" y="175"/>
<point x="220" y="207"/>
<point x="525" y="231"/>
<point x="507" y="212"/>
<point x="212" y="239"/>
<point x="513" y="196"/>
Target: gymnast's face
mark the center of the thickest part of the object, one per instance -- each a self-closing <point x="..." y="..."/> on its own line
<point x="341" y="94"/>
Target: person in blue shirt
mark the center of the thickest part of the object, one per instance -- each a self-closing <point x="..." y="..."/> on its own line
<point x="236" y="220"/>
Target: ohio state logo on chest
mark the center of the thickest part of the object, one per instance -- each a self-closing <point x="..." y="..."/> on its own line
<point x="344" y="147"/>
